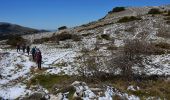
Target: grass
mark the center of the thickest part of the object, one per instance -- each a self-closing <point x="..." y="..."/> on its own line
<point x="148" y="88"/>
<point x="48" y="81"/>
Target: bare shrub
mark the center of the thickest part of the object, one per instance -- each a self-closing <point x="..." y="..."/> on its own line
<point x="92" y="66"/>
<point x="162" y="45"/>
<point x="140" y="47"/>
<point x="163" y="32"/>
<point x="132" y="55"/>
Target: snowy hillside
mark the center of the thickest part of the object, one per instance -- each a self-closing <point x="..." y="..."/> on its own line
<point x="104" y="60"/>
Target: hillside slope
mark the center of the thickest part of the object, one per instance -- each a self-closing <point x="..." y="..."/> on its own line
<point x="8" y="29"/>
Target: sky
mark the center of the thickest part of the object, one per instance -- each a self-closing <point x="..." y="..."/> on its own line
<point x="51" y="14"/>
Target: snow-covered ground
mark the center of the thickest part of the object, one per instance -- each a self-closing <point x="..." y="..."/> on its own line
<point x="16" y="68"/>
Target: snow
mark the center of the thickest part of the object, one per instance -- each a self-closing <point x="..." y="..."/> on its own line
<point x="12" y="92"/>
<point x="155" y="65"/>
<point x="108" y="94"/>
<point x="16" y="68"/>
<point x="132" y="88"/>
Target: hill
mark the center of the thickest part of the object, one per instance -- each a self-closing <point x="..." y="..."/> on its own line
<point x="123" y="56"/>
<point x="8" y="29"/>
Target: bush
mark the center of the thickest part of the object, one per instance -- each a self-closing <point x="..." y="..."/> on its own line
<point x="87" y="34"/>
<point x="168" y="22"/>
<point x="76" y="37"/>
<point x="59" y="37"/>
<point x="164" y="33"/>
<point x="154" y="11"/>
<point x="167" y="18"/>
<point x="105" y="36"/>
<point x="117" y="9"/>
<point x="112" y="48"/>
<point x="128" y="19"/>
<point x="131" y="55"/>
<point x="63" y="36"/>
<point x="169" y="13"/>
<point x="163" y="45"/>
<point x="62" y="28"/>
<point x="14" y="40"/>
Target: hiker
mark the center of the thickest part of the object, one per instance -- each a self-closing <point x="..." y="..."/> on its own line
<point x="38" y="58"/>
<point x="18" y="47"/>
<point x="33" y="51"/>
<point x="23" y="48"/>
<point x="28" y="49"/>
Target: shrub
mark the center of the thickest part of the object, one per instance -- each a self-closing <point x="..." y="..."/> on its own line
<point x="140" y="47"/>
<point x="128" y="19"/>
<point x="169" y="12"/>
<point x="163" y="45"/>
<point x="63" y="36"/>
<point x="76" y="37"/>
<point x="164" y="33"/>
<point x="131" y="55"/>
<point x="15" y="39"/>
<point x="168" y="22"/>
<point x="167" y="18"/>
<point x="59" y="37"/>
<point x="92" y="66"/>
<point x="112" y="48"/>
<point x="105" y="36"/>
<point x="87" y="34"/>
<point x="62" y="28"/>
<point x="154" y="11"/>
<point x="117" y="9"/>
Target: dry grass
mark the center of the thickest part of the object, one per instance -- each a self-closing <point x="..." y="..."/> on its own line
<point x="156" y="88"/>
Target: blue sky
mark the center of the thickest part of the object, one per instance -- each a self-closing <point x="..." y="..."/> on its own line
<point x="50" y="14"/>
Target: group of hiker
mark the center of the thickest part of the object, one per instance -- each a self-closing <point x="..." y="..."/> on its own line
<point x="23" y="47"/>
<point x="36" y="53"/>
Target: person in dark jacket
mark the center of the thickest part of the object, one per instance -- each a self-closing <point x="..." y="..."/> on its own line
<point x="33" y="51"/>
<point x="28" y="49"/>
<point x="38" y="58"/>
<point x="18" y="47"/>
<point x="23" y="48"/>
